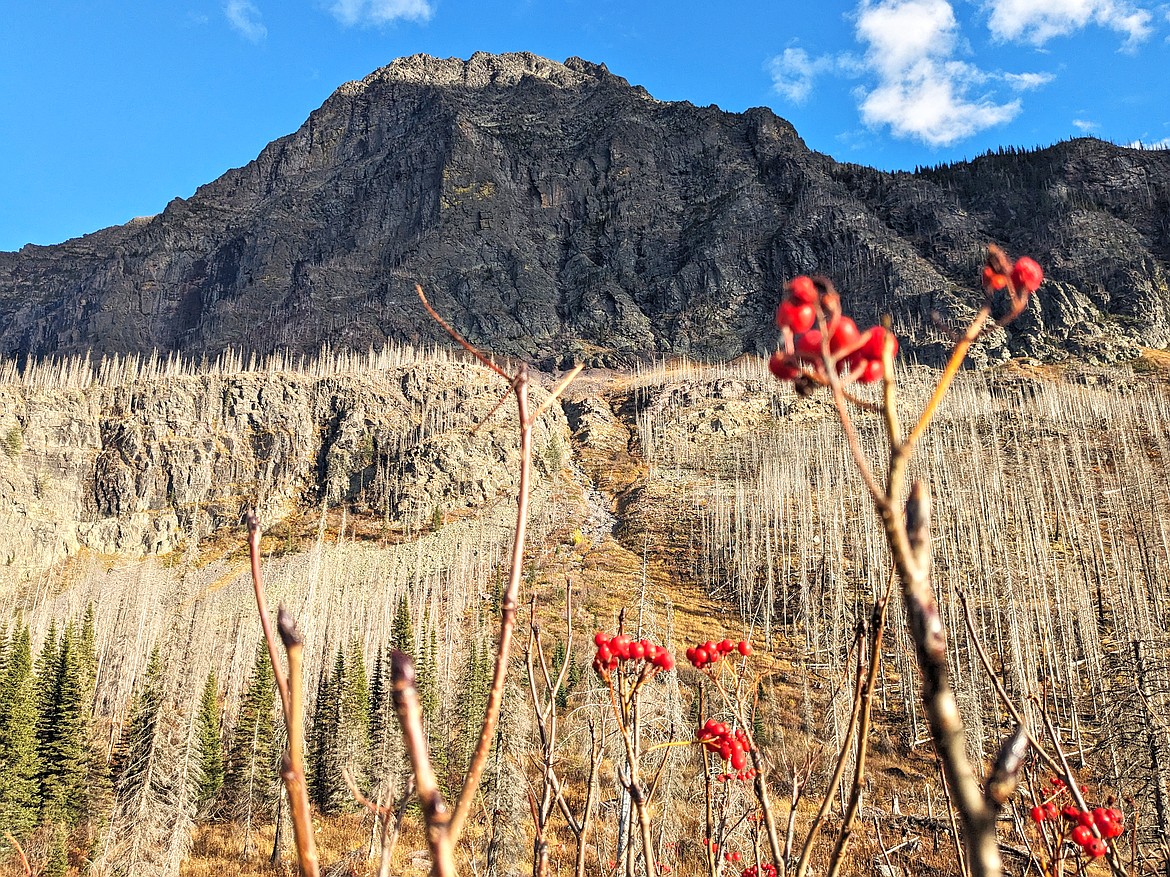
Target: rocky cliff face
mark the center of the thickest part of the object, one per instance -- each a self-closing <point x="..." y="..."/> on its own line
<point x="151" y="464"/>
<point x="554" y="211"/>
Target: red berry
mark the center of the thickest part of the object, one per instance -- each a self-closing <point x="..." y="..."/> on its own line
<point x="992" y="279"/>
<point x="802" y="290"/>
<point x="1037" y="813"/>
<point x="1097" y="848"/>
<point x="1082" y="836"/>
<point x="796" y="316"/>
<point x="711" y="649"/>
<point x="744" y="648"/>
<point x="1051" y="811"/>
<point x="600" y="639"/>
<point x="1027" y="274"/>
<point x="1070" y="812"/>
<point x="1085" y="817"/>
<point x="808" y="346"/>
<point x="700" y="658"/>
<point x="875" y="343"/>
<point x="782" y="368"/>
<point x="604" y="654"/>
<point x="724" y="646"/>
<point x="738" y="759"/>
<point x="873" y="371"/>
<point x="844" y="335"/>
<point x="620" y="646"/>
<point x="664" y="660"/>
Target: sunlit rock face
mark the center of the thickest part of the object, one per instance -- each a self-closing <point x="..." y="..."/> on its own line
<point x="556" y="212"/>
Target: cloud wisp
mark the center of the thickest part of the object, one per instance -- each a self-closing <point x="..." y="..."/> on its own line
<point x="1038" y="21"/>
<point x="379" y="12"/>
<point x="923" y="91"/>
<point x="794" y="70"/>
<point x="246" y="20"/>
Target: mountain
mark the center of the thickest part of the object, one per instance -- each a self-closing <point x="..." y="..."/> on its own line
<point x="556" y="212"/>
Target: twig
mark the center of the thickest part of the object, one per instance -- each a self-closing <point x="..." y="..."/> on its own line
<point x="28" y="871"/>
<point x="839" y="770"/>
<point x="508" y="603"/>
<point x="875" y="657"/>
<point x="434" y="809"/>
<point x="292" y="761"/>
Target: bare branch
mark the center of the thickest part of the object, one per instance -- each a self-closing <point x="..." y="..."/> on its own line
<point x="434" y="809"/>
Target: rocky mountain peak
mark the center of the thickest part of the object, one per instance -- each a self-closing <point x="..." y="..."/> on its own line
<point x="554" y="212"/>
<point x="484" y="70"/>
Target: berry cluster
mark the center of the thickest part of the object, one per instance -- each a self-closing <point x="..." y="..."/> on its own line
<point x="710" y="652"/>
<point x="743" y="776"/>
<point x="765" y="870"/>
<point x="730" y="744"/>
<point x="1079" y="824"/>
<point x="857" y="355"/>
<point x="1026" y="275"/>
<point x="613" y="650"/>
<point x="733" y="856"/>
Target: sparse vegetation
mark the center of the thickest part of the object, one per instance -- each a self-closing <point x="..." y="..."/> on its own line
<point x="1053" y="531"/>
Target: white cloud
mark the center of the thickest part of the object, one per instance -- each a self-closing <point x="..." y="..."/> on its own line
<point x="1164" y="143"/>
<point x="1038" y="21"/>
<point x="245" y="18"/>
<point x="375" y="12"/>
<point x="793" y="72"/>
<point x="1084" y="125"/>
<point x="1027" y="81"/>
<point x="922" y="91"/>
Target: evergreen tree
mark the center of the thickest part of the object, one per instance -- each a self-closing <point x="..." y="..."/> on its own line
<point x="210" y="745"/>
<point x="378" y="694"/>
<point x="321" y="735"/>
<point x="19" y="763"/>
<point x="251" y="782"/>
<point x="136" y="748"/>
<point x="150" y="818"/>
<point x="472" y="698"/>
<point x="354" y="731"/>
<point x="402" y="629"/>
<point x="6" y="643"/>
<point x="340" y="741"/>
<point x="62" y="733"/>
<point x="87" y="656"/>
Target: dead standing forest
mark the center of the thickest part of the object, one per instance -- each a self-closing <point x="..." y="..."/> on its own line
<point x="138" y="723"/>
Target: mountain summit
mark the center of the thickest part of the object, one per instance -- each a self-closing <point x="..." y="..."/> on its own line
<point x="556" y="212"/>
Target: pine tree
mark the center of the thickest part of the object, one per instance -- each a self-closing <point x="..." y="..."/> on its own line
<point x="321" y="735"/>
<point x="472" y="698"/>
<point x="402" y="629"/>
<point x="87" y="655"/>
<point x="251" y="782"/>
<point x="151" y="813"/>
<point x="19" y="763"/>
<point x="210" y="746"/>
<point x="62" y="733"/>
<point x="355" y="711"/>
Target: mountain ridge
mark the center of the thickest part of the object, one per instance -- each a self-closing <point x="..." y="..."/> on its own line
<point x="555" y="212"/>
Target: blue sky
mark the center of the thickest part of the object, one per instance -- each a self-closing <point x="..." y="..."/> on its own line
<point x="108" y="110"/>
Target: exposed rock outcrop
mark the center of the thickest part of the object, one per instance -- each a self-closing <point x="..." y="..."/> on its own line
<point x="146" y="466"/>
<point x="556" y="212"/>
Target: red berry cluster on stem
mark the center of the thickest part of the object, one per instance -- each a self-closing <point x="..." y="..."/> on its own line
<point x="765" y="870"/>
<point x="729" y="744"/>
<point x="811" y="312"/>
<point x="612" y="651"/>
<point x="708" y="653"/>
<point x="1090" y="829"/>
